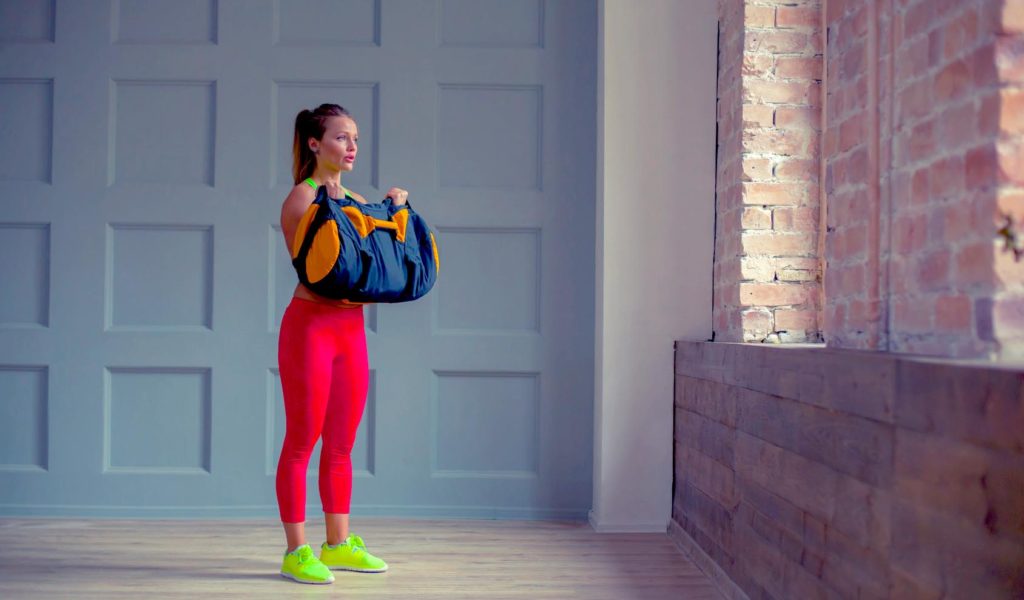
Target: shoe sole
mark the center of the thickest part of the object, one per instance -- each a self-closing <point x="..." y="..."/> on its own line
<point x="356" y="570"/>
<point x="296" y="579"/>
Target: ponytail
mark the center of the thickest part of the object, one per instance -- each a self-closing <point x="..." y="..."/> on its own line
<point x="310" y="124"/>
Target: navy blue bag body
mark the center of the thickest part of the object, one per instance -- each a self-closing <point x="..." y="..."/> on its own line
<point x="362" y="253"/>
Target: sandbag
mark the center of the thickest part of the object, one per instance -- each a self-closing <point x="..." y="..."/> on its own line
<point x="362" y="253"/>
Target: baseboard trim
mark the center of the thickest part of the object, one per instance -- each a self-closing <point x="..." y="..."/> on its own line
<point x="637" y="527"/>
<point x="270" y="511"/>
<point x="705" y="563"/>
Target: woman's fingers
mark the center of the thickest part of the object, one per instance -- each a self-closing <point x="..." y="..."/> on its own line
<point x="398" y="195"/>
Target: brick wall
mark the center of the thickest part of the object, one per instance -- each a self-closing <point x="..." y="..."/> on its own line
<point x="767" y="267"/>
<point x="914" y="125"/>
<point x="819" y="473"/>
<point x="1006" y="323"/>
<point x="922" y="157"/>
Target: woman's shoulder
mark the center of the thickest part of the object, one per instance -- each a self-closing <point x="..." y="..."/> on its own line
<point x="300" y="192"/>
<point x="356" y="196"/>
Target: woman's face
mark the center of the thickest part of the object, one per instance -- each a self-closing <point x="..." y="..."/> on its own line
<point x="338" y="147"/>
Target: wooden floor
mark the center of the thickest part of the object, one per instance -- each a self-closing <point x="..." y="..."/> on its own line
<point x="428" y="559"/>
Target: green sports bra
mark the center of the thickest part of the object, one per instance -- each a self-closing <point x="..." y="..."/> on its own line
<point x="313" y="185"/>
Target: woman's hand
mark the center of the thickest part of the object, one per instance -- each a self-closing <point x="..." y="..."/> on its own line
<point x="398" y="196"/>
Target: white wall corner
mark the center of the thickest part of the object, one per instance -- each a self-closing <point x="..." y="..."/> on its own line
<point x="654" y="241"/>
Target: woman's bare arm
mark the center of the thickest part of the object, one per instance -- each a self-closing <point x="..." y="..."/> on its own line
<point x="293" y="208"/>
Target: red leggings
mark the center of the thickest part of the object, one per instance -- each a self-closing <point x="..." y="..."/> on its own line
<point x="321" y="354"/>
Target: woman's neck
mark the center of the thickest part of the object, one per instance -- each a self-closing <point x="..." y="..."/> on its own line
<point x="324" y="176"/>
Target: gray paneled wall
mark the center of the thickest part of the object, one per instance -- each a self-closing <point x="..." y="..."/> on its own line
<point x="147" y="148"/>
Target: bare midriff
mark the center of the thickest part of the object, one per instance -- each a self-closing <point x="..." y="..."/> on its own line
<point x="305" y="293"/>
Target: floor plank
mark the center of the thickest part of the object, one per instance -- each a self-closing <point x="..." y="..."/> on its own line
<point x="428" y="559"/>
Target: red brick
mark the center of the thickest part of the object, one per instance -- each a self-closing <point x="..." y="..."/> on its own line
<point x="974" y="264"/>
<point x="1008" y="316"/>
<point x="912" y="59"/>
<point x="933" y="270"/>
<point x="776" y="42"/>
<point x="946" y="177"/>
<point x="758" y="115"/>
<point x="1010" y="161"/>
<point x="798" y="169"/>
<point x="852" y="132"/>
<point x="958" y="126"/>
<point x="1012" y="21"/>
<point x="1011" y="118"/>
<point x="756" y="218"/>
<point x="980" y="167"/>
<point x="785" y="142"/>
<point x="953" y="81"/>
<point x="786" y="274"/>
<point x="915" y="100"/>
<point x="922" y="141"/>
<point x="789" y="320"/>
<point x="758" y="65"/>
<point x="796" y="263"/>
<point x="850" y="242"/>
<point x="918" y="19"/>
<point x="852" y="282"/>
<point x="852" y="60"/>
<point x="759" y="16"/>
<point x="757" y="169"/>
<point x="986" y="66"/>
<point x="782" y="92"/>
<point x="798" y="117"/>
<point x="757" y="268"/>
<point x="798" y="67"/>
<point x="1011" y="202"/>
<point x="920" y="189"/>
<point x="898" y="285"/>
<point x="834" y="320"/>
<point x="795" y="219"/>
<point x="774" y="193"/>
<point x="779" y="244"/>
<point x="757" y="324"/>
<point x="960" y="34"/>
<point x="774" y="294"/>
<point x="799" y="16"/>
<point x="953" y="313"/>
<point x="912" y="315"/>
<point x="935" y="49"/>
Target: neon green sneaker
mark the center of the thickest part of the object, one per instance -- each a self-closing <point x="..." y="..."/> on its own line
<point x="302" y="566"/>
<point x="351" y="556"/>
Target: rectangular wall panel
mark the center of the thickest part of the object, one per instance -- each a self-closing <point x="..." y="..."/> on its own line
<point x="148" y="150"/>
<point x="24" y="418"/>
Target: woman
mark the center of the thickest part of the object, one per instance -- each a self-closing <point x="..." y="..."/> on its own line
<point x="323" y="365"/>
